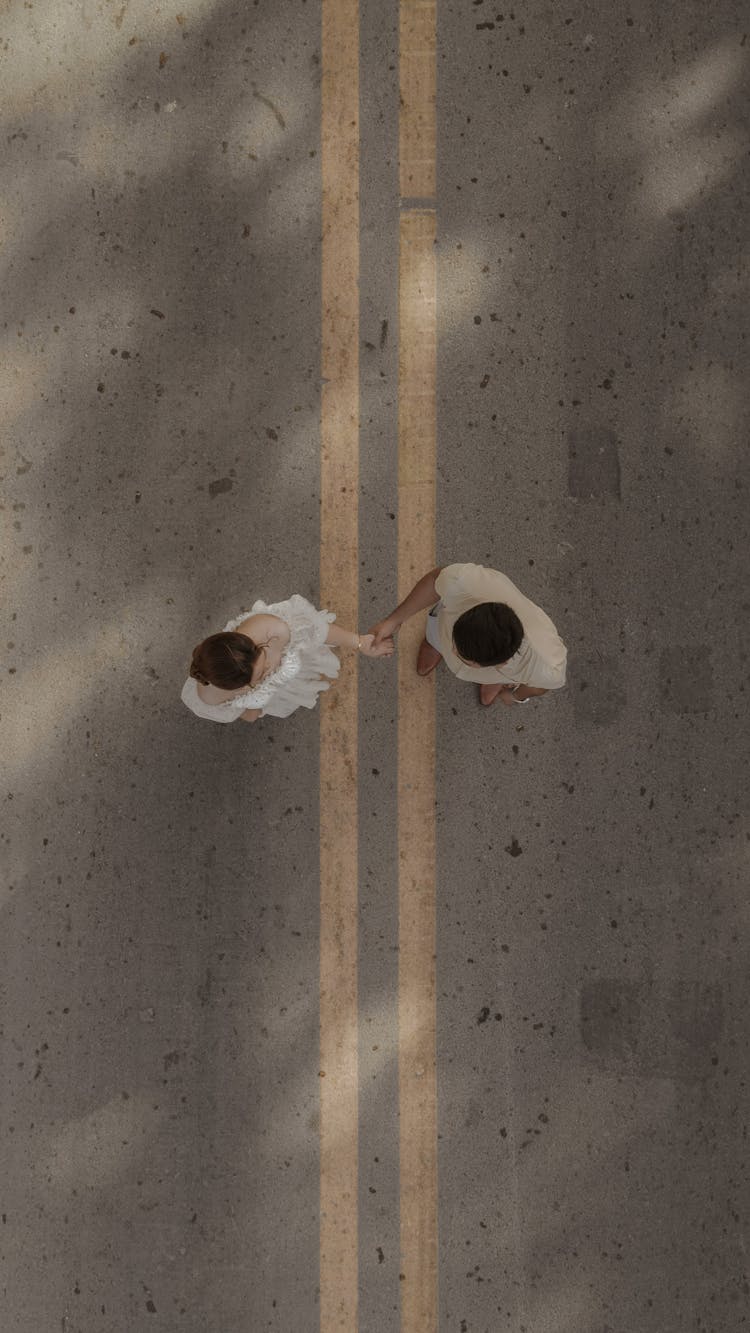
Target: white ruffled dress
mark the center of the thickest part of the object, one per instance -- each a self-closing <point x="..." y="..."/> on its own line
<point x="296" y="682"/>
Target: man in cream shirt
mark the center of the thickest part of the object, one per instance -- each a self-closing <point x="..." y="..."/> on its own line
<point x="486" y="630"/>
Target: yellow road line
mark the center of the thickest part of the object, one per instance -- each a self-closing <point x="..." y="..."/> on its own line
<point x="338" y="723"/>
<point x="416" y="724"/>
<point x="416" y="784"/>
<point x="417" y="86"/>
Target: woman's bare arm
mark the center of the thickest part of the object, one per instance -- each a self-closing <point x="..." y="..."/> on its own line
<point x="338" y="637"/>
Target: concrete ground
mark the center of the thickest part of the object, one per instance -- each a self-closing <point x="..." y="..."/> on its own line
<point x="161" y="381"/>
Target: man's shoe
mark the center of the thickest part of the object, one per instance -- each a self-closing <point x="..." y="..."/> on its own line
<point x="427" y="658"/>
<point x="489" y="693"/>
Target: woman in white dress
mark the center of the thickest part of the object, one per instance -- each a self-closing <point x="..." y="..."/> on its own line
<point x="270" y="661"/>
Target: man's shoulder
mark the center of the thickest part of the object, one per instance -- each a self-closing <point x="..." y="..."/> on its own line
<point x="477" y="582"/>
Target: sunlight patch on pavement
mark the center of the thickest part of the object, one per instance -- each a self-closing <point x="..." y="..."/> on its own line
<point x="707" y="406"/>
<point x="567" y="1310"/>
<point x="689" y="97"/>
<point x="470" y="278"/>
<point x="47" y="694"/>
<point x="680" y="175"/>
<point x="293" y="203"/>
<point x="684" y="154"/>
<point x="98" y="1148"/>
<point x="269" y="120"/>
<point x="85" y="37"/>
<point x="26" y="373"/>
<point x="47" y="697"/>
<point x="15" y="864"/>
<point x="288" y="1127"/>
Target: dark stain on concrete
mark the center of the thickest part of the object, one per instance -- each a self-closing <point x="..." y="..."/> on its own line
<point x="686" y="679"/>
<point x="653" y="1027"/>
<point x="514" y="847"/>
<point x="593" y="463"/>
<point x="220" y="486"/>
<point x="204" y="991"/>
<point x="610" y="1018"/>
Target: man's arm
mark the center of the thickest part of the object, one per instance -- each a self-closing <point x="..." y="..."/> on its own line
<point x="251" y="714"/>
<point x="422" y="595"/>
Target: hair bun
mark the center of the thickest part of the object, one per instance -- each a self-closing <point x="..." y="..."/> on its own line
<point x="225" y="660"/>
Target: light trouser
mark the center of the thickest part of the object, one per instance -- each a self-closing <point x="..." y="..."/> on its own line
<point x="431" y="628"/>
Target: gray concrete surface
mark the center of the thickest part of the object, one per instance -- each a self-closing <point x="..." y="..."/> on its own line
<point x="160" y="940"/>
<point x="160" y="382"/>
<point x="593" y="944"/>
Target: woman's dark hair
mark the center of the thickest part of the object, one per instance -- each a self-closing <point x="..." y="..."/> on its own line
<point x="488" y="634"/>
<point x="225" y="660"/>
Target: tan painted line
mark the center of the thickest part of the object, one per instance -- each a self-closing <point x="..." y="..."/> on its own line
<point x="417" y="83"/>
<point x="416" y="782"/>
<point x="338" y="721"/>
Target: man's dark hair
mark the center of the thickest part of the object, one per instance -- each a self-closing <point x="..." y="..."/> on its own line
<point x="488" y="634"/>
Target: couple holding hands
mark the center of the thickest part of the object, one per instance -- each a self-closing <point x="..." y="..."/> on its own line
<point x="273" y="659"/>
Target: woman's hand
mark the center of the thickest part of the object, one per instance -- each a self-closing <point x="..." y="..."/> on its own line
<point x="370" y="648"/>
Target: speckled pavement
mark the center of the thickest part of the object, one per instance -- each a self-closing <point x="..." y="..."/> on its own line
<point x="160" y="240"/>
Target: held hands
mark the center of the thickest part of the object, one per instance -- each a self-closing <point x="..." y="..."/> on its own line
<point x="371" y="648"/>
<point x="384" y="631"/>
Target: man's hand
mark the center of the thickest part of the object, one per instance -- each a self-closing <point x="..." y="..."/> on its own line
<point x="422" y="596"/>
<point x="385" y="629"/>
<point x="370" y="648"/>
